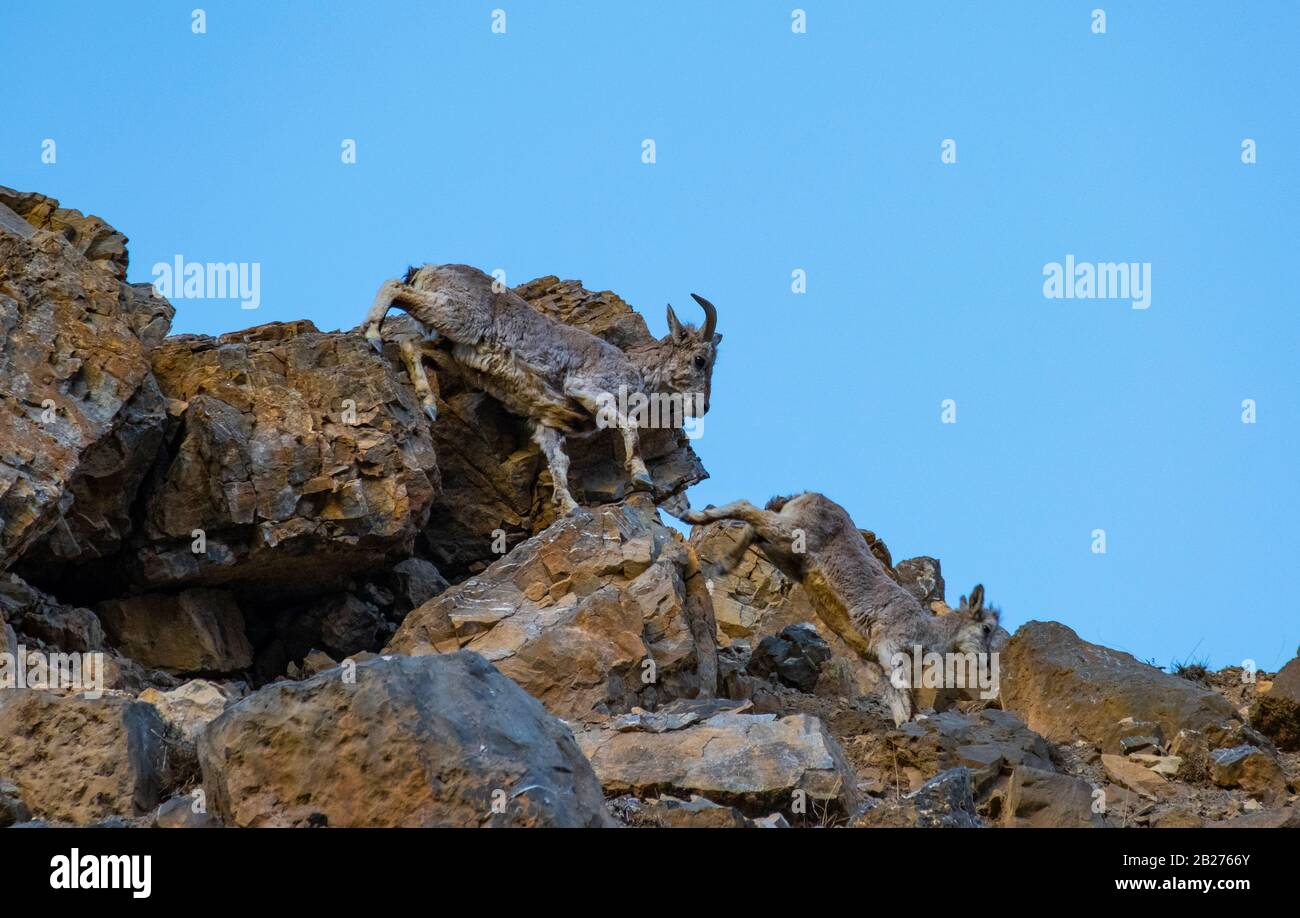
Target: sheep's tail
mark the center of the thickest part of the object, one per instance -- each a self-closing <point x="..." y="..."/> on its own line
<point x="776" y="503"/>
<point x="411" y="271"/>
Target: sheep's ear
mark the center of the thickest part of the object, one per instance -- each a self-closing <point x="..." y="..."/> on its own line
<point x="717" y="339"/>
<point x="674" y="327"/>
<point x="977" y="600"/>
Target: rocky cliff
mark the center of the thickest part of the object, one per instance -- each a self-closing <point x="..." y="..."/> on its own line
<point x="288" y="598"/>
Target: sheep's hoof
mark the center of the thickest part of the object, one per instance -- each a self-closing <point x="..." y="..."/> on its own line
<point x="432" y="412"/>
<point x="377" y="343"/>
<point x="642" y="482"/>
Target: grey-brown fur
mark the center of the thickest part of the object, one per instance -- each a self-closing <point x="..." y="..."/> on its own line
<point x="559" y="377"/>
<point x="849" y="587"/>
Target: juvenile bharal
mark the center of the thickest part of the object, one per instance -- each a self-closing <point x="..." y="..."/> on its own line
<point x="561" y="378"/>
<point x="812" y="540"/>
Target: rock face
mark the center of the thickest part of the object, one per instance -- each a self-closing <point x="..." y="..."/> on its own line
<point x="79" y="760"/>
<point x="81" y="415"/>
<point x="755" y="763"/>
<point x="1066" y="689"/>
<point x="302" y="457"/>
<point x="194" y="631"/>
<point x="414" y="741"/>
<point x="604" y="610"/>
<point x="493" y="474"/>
<point x="1276" y="713"/>
<point x="269" y="509"/>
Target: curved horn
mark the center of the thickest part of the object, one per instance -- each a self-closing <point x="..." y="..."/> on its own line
<point x="710" y="316"/>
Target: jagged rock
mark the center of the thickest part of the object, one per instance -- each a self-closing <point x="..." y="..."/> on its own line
<point x="81" y="414"/>
<point x="575" y="613"/>
<point x="303" y="457"/>
<point x="415" y="582"/>
<point x="493" y="475"/>
<point x="1043" y="799"/>
<point x="315" y="662"/>
<point x="42" y="618"/>
<point x="946" y="801"/>
<point x="179" y="813"/>
<point x="753" y="762"/>
<point x="1287" y="817"/>
<point x="194" y="631"/>
<point x="12" y="808"/>
<point x="189" y="708"/>
<point x="1135" y="776"/>
<point x="1066" y="688"/>
<point x="1166" y="765"/>
<point x="342" y="624"/>
<point x="794" y="656"/>
<point x="923" y="578"/>
<point x="988" y="743"/>
<point x="1278" y="718"/>
<point x="415" y="741"/>
<point x="1252" y="769"/>
<point x="671" y="813"/>
<point x="80" y="760"/>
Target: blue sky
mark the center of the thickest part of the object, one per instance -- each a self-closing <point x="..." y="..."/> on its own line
<point x="779" y="151"/>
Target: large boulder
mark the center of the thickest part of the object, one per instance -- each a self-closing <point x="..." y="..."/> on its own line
<point x="754" y="762"/>
<point x="397" y="741"/>
<point x="81" y="760"/>
<point x="189" y="708"/>
<point x="302" y="458"/>
<point x="82" y="416"/>
<point x="494" y="476"/>
<point x="194" y="631"/>
<point x="1068" y="689"/>
<point x="1037" y="798"/>
<point x="604" y="610"/>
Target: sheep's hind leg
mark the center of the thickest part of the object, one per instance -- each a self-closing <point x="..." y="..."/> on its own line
<point x="552" y="445"/>
<point x="388" y="292"/>
<point x="415" y="369"/>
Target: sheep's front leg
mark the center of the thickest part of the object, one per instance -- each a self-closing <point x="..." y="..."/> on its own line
<point x="603" y="407"/>
<point x="899" y="698"/>
<point x="415" y="369"/>
<point x="552" y="446"/>
<point x="632" y="461"/>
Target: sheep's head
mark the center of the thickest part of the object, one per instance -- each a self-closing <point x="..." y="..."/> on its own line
<point x="977" y="624"/>
<point x="684" y="359"/>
